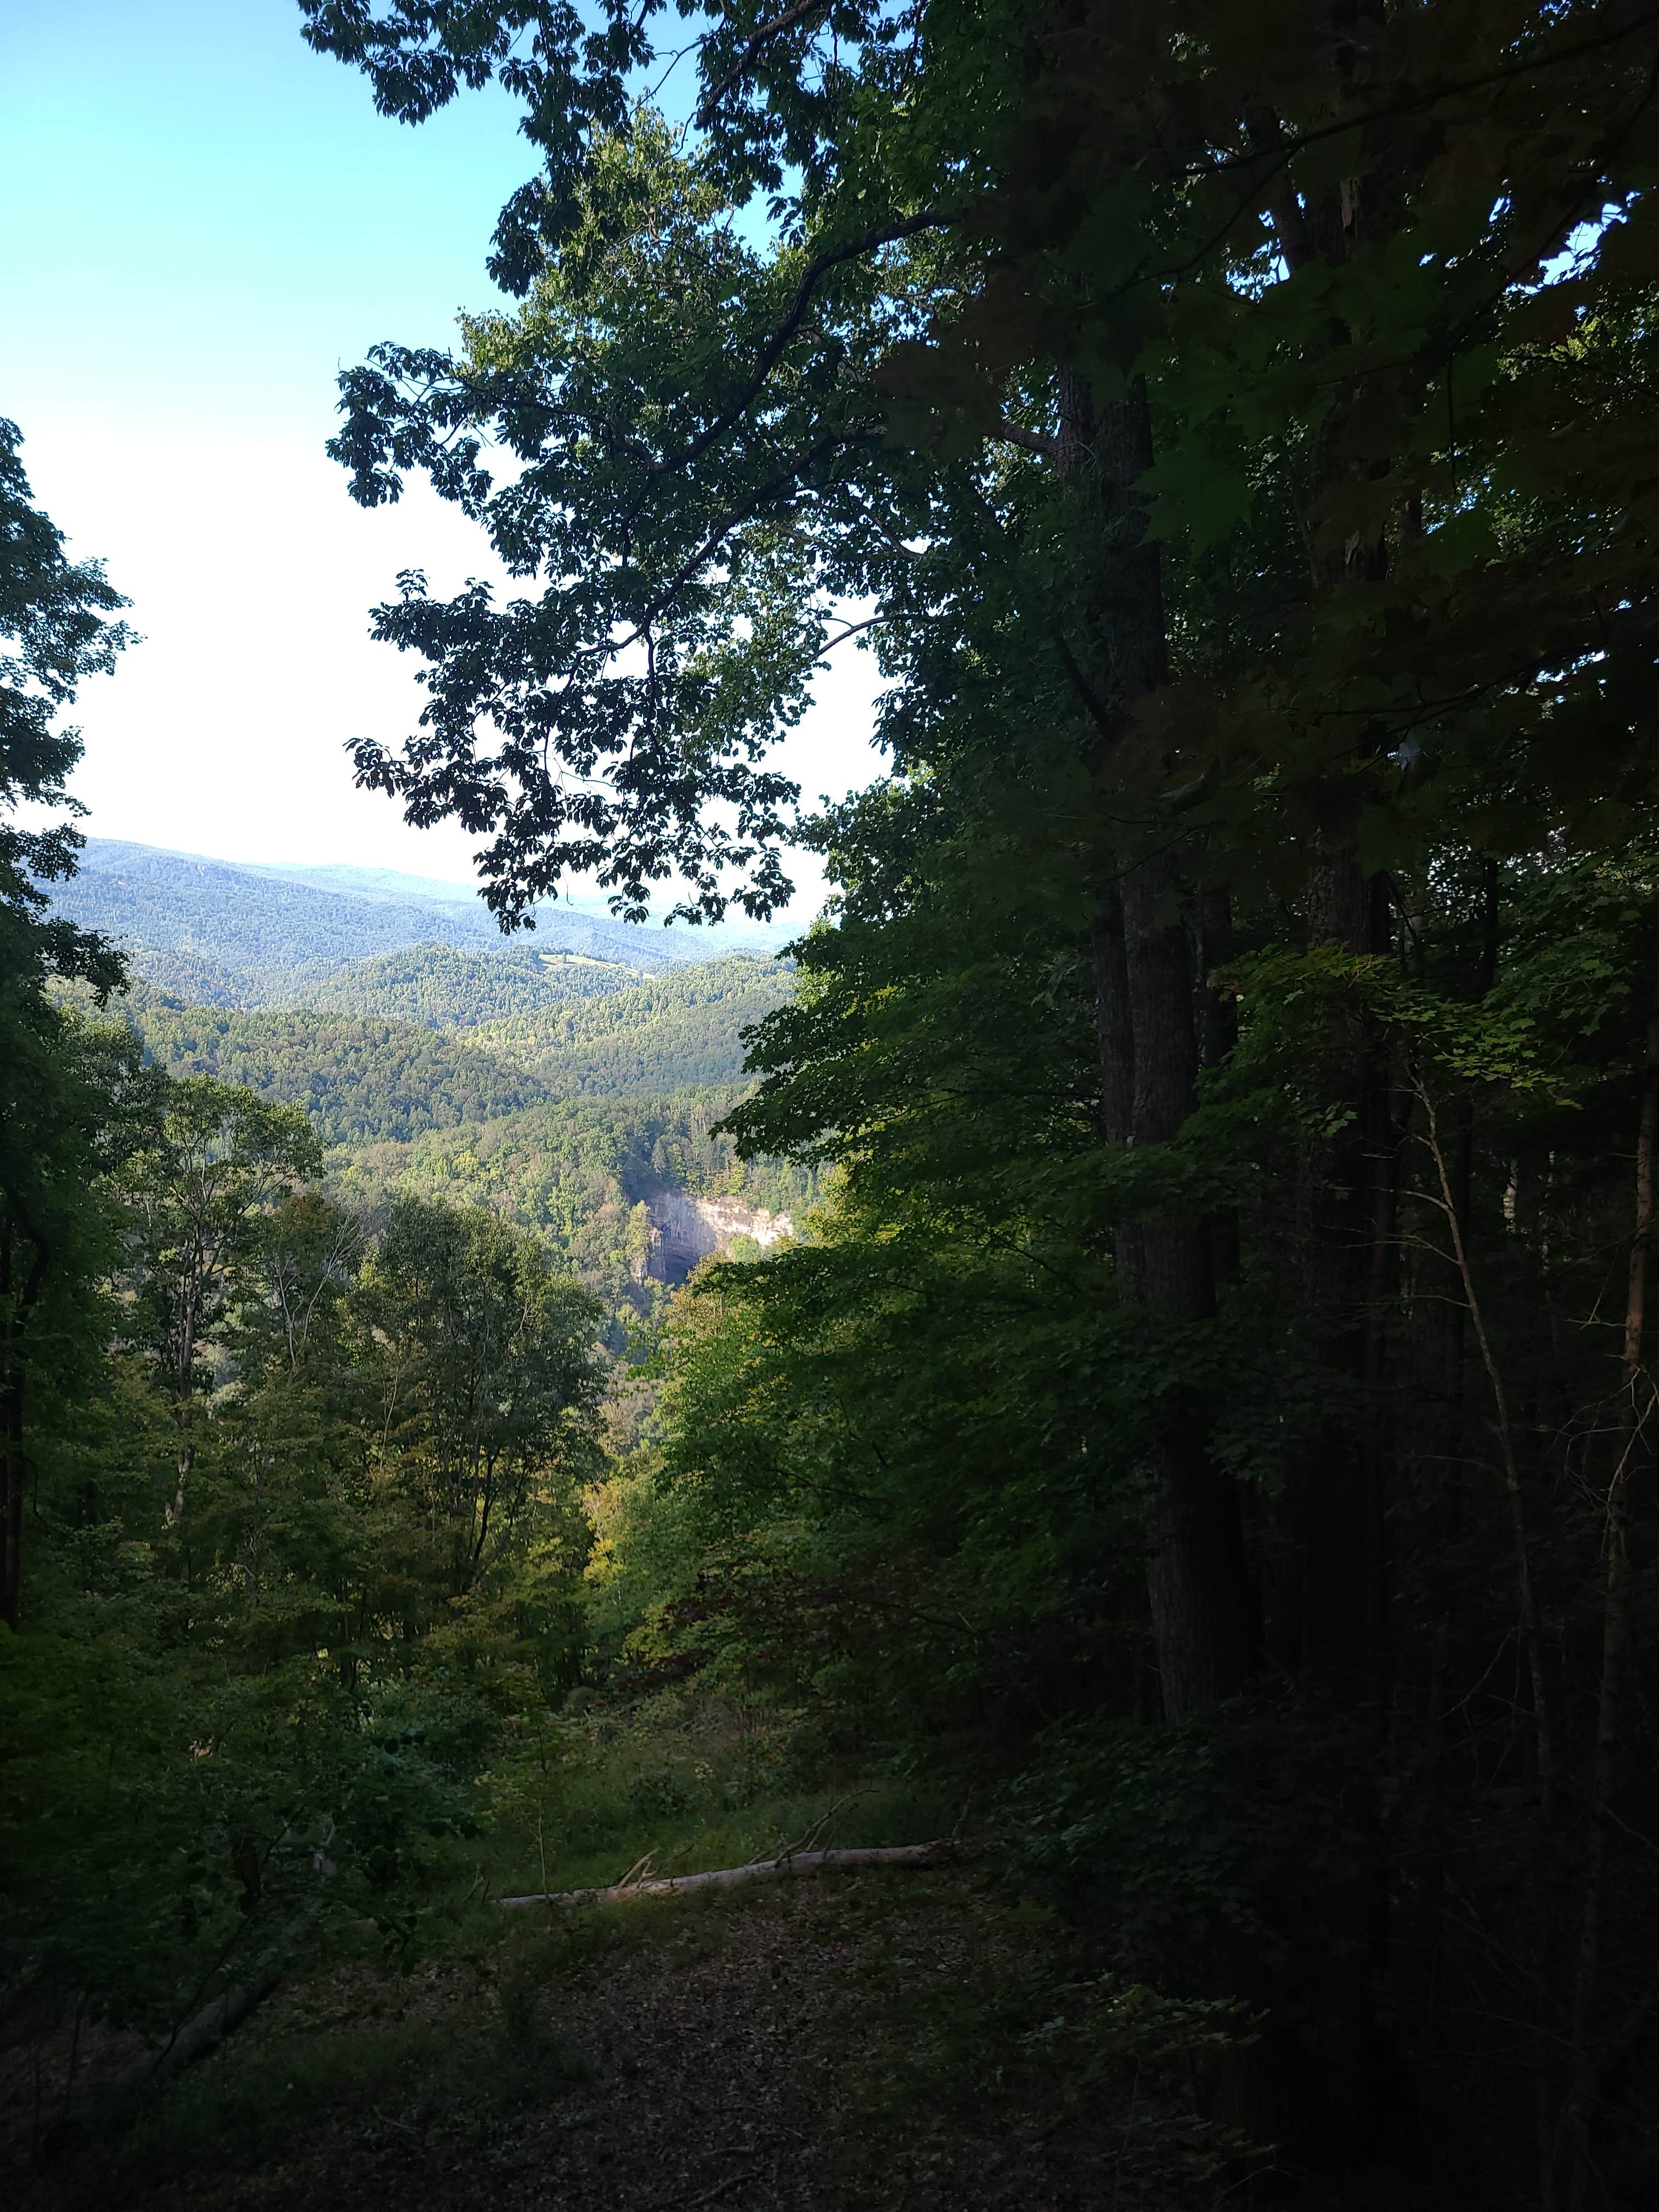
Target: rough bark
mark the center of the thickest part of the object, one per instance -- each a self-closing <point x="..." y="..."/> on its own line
<point x="11" y="1467"/>
<point x="1113" y="1028"/>
<point x="13" y="1472"/>
<point x="1348" y="1183"/>
<point x="1218" y="1036"/>
<point x="184" y="1385"/>
<point x="1196" y="1575"/>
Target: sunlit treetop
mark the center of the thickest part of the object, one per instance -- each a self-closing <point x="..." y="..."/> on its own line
<point x="58" y="627"/>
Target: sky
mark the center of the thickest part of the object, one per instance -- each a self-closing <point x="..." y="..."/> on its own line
<point x="201" y="223"/>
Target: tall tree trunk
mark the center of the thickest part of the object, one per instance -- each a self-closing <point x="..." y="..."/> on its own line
<point x="1348" y="1187"/>
<point x="1615" y="1636"/>
<point x="1197" y="1581"/>
<point x="1197" y="1569"/>
<point x="1218" y="1035"/>
<point x="1113" y="1028"/>
<point x="11" y="1427"/>
<point x="185" y="1395"/>
<point x="20" y="1292"/>
<point x="1348" y="1181"/>
<point x="13" y="1471"/>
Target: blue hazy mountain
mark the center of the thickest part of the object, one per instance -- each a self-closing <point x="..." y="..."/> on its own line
<point x="681" y="943"/>
<point x="231" y="934"/>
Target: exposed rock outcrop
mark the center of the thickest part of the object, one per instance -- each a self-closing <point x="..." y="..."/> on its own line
<point x="686" y="1230"/>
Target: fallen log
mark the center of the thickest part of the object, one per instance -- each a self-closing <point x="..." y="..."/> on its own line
<point x="213" y="2023"/>
<point x="201" y="2033"/>
<point x="914" y="1855"/>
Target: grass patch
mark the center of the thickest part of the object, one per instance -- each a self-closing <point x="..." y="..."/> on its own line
<point x="674" y="1784"/>
<point x="686" y="1782"/>
<point x="487" y="2058"/>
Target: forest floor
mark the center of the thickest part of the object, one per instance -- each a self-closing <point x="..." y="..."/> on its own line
<point x="823" y="2041"/>
<point x="869" y="2039"/>
<point x="859" y="2041"/>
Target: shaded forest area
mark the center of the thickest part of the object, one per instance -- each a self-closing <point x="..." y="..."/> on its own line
<point x="1197" y="1459"/>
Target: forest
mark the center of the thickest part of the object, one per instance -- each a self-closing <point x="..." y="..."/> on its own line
<point x="362" y="1076"/>
<point x="1180" y="1490"/>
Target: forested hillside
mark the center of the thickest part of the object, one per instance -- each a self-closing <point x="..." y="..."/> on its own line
<point x="573" y="1121"/>
<point x="683" y="1029"/>
<point x="364" y="1080"/>
<point x="446" y="987"/>
<point x="264" y="937"/>
<point x="1154" y="1556"/>
<point x="359" y="1082"/>
<point x="582" y="1172"/>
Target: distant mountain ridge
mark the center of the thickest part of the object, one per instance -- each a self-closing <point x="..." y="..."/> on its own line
<point x="237" y="934"/>
<point x="683" y="1031"/>
<point x="716" y="942"/>
<point x="369" y="883"/>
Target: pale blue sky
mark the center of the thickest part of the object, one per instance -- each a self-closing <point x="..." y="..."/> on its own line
<point x="201" y="223"/>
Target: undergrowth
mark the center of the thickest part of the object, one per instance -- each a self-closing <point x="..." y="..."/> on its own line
<point x="940" y="2037"/>
<point x="672" y="1784"/>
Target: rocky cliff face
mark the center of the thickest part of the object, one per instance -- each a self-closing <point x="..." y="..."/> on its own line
<point x="686" y="1230"/>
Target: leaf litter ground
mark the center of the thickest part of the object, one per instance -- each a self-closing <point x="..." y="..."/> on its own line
<point x="801" y="2043"/>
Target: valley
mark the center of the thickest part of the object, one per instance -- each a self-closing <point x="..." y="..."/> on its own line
<point x="571" y="1079"/>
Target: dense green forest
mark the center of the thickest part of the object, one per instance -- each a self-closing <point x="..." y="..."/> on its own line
<point x="1185" y="1482"/>
<point x="570" y="1123"/>
<point x="681" y="1030"/>
<point x="364" y="1080"/>
<point x="583" y="1172"/>
<point x="361" y="1081"/>
<point x="446" y="987"/>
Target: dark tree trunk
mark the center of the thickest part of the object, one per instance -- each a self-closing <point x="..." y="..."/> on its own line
<point x="1349" y="1183"/>
<point x="11" y="1424"/>
<point x="19" y="1289"/>
<point x="1197" y="1582"/>
<point x="1196" y="1573"/>
<point x="1113" y="1025"/>
<point x="1218" y="1035"/>
<point x="1630" y="1432"/>
<point x="12" y="1474"/>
